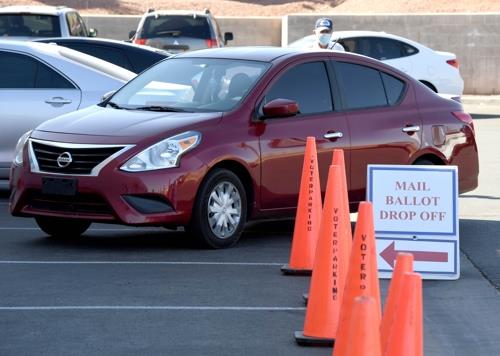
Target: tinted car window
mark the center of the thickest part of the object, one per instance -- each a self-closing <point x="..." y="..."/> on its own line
<point x="75" y="25"/>
<point x="29" y="25"/>
<point x="384" y="48"/>
<point x="47" y="78"/>
<point x="18" y="71"/>
<point x="109" y="54"/>
<point x="141" y="62"/>
<point x="308" y="85"/>
<point x="393" y="87"/>
<point x="409" y="50"/>
<point x="361" y="86"/>
<point x="176" y="26"/>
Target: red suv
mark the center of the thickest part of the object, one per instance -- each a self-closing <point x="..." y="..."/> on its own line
<point x="210" y="139"/>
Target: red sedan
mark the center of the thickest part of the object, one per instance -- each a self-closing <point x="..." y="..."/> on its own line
<point x="210" y="139"/>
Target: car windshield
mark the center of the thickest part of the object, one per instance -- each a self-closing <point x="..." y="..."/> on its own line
<point x="176" y="26"/>
<point x="191" y="84"/>
<point x="29" y="25"/>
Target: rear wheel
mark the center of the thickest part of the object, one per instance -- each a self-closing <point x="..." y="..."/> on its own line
<point x="62" y="228"/>
<point x="220" y="210"/>
<point x="423" y="162"/>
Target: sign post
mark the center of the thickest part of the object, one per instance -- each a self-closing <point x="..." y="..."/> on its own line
<point x="416" y="211"/>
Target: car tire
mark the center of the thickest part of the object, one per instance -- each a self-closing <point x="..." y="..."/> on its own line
<point x="423" y="162"/>
<point x="219" y="213"/>
<point x="62" y="228"/>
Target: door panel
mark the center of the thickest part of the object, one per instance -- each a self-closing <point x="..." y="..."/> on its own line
<point x="282" y="146"/>
<point x="282" y="142"/>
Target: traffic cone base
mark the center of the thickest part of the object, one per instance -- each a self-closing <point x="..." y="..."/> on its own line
<point x="304" y="340"/>
<point x="289" y="271"/>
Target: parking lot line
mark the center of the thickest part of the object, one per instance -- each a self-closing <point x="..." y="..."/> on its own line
<point x="27" y="262"/>
<point x="144" y="307"/>
<point x="91" y="229"/>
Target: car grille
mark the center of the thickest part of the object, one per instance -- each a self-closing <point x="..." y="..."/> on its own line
<point x="81" y="204"/>
<point x="83" y="159"/>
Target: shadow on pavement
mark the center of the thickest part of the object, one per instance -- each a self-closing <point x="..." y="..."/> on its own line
<point x="491" y="197"/>
<point x="480" y="242"/>
<point x="484" y="116"/>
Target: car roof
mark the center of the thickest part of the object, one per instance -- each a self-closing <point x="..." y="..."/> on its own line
<point x="263" y="54"/>
<point x="345" y="34"/>
<point x="39" y="10"/>
<point x="90" y="40"/>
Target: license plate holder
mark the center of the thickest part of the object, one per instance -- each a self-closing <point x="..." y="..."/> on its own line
<point x="59" y="186"/>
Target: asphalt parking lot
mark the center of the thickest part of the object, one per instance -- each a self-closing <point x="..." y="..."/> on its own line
<point x="125" y="291"/>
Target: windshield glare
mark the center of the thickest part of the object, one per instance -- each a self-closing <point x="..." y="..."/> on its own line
<point x="192" y="84"/>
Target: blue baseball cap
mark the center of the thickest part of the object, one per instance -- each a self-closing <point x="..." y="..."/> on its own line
<point x="324" y="23"/>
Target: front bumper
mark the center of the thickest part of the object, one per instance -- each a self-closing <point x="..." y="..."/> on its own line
<point x="155" y="198"/>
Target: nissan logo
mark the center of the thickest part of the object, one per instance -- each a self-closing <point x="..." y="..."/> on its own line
<point x="64" y="159"/>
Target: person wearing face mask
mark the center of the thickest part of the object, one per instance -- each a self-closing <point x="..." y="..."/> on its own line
<point x="323" y="31"/>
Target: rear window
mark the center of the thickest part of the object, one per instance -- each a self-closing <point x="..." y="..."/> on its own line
<point x="29" y="25"/>
<point x="176" y="26"/>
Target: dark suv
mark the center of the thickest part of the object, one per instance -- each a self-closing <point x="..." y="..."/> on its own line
<point x="179" y="31"/>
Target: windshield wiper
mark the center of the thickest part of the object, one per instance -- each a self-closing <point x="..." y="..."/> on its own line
<point x="115" y="105"/>
<point x="160" y="108"/>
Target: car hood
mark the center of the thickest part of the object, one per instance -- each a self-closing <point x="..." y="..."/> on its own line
<point x="133" y="125"/>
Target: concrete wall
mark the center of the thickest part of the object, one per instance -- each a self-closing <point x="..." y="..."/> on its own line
<point x="474" y="38"/>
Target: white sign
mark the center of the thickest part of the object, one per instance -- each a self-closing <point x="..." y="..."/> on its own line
<point x="415" y="211"/>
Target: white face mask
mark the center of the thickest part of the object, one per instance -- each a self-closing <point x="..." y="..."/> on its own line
<point x="324" y="38"/>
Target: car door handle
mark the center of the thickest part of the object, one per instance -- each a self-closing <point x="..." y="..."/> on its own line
<point x="411" y="129"/>
<point x="330" y="135"/>
<point x="58" y="100"/>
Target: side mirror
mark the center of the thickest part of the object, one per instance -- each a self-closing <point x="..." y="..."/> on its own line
<point x="228" y="36"/>
<point x="92" y="32"/>
<point x="280" y="108"/>
<point x="131" y="34"/>
<point x="108" y="95"/>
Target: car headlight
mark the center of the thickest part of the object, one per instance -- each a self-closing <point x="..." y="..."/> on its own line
<point x="18" y="157"/>
<point x="164" y="154"/>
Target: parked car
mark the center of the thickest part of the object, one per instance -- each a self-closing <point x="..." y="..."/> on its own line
<point x="212" y="138"/>
<point x="24" y="22"/>
<point x="179" y="31"/>
<point x="126" y="55"/>
<point x="39" y="81"/>
<point x="437" y="70"/>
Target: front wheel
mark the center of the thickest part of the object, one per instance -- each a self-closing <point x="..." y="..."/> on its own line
<point x="62" y="228"/>
<point x="220" y="210"/>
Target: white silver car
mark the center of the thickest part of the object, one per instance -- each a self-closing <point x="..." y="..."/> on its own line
<point x="438" y="70"/>
<point x="40" y="81"/>
<point x="27" y="22"/>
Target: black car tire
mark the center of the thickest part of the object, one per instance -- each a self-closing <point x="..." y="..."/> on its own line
<point x="62" y="228"/>
<point x="204" y="233"/>
<point x="423" y="162"/>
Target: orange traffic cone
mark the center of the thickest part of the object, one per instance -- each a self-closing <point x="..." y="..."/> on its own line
<point x="329" y="272"/>
<point x="363" y="337"/>
<point x="406" y="330"/>
<point x="308" y="217"/>
<point x="362" y="278"/>
<point x="404" y="264"/>
<point x="338" y="160"/>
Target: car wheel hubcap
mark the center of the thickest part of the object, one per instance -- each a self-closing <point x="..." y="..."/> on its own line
<point x="224" y="210"/>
